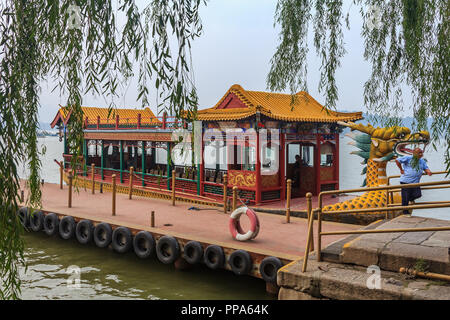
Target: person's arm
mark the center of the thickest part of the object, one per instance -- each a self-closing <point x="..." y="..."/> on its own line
<point x="399" y="165"/>
<point x="425" y="167"/>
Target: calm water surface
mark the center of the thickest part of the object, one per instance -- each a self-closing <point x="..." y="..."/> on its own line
<point x="107" y="275"/>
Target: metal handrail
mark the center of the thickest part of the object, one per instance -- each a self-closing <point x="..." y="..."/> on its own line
<point x="441" y="204"/>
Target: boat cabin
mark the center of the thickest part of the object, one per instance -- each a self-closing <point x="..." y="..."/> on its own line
<point x="258" y="139"/>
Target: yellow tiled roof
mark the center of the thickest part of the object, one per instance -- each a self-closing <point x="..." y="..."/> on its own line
<point x="277" y="106"/>
<point x="125" y="115"/>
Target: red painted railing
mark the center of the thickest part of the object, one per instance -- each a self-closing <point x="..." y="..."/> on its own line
<point x="164" y="122"/>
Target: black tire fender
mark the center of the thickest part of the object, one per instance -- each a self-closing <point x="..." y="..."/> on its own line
<point x="67" y="227"/>
<point x="269" y="268"/>
<point x="193" y="252"/>
<point x="240" y="262"/>
<point x="102" y="235"/>
<point x="84" y="231"/>
<point x="51" y="224"/>
<point x="144" y="244"/>
<point x="36" y="221"/>
<point x="214" y="257"/>
<point x="24" y="216"/>
<point x="122" y="240"/>
<point x="167" y="249"/>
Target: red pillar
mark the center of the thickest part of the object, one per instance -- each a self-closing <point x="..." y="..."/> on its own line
<point x="139" y="121"/>
<point x="336" y="160"/>
<point x="317" y="163"/>
<point x="282" y="159"/>
<point x="258" y="171"/>
<point x="117" y="122"/>
<point x="98" y="122"/>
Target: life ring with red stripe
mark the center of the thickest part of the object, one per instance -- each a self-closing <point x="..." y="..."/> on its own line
<point x="236" y="229"/>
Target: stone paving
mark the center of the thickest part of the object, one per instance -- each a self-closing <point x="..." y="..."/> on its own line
<point x="345" y="273"/>
<point x="391" y="251"/>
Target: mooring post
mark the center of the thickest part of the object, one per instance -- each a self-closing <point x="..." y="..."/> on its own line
<point x="288" y="200"/>
<point x="130" y="188"/>
<point x="93" y="177"/>
<point x="225" y="182"/>
<point x="152" y="219"/>
<point x="234" y="198"/>
<point x="309" y="210"/>
<point x="61" y="172"/>
<point x="70" y="190"/>
<point x="173" y="187"/>
<point x="113" y="194"/>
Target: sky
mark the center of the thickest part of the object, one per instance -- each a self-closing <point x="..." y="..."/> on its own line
<point x="238" y="41"/>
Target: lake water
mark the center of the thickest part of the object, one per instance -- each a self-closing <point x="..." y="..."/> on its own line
<point x="107" y="275"/>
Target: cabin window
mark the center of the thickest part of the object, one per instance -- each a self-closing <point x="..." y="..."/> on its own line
<point x="161" y="155"/>
<point x="269" y="156"/>
<point x="294" y="149"/>
<point x="182" y="155"/>
<point x="243" y="158"/>
<point x="307" y="156"/>
<point x="326" y="154"/>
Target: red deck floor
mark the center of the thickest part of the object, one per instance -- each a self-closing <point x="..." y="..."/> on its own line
<point x="276" y="237"/>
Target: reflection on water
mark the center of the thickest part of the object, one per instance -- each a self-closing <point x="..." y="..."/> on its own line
<point x="105" y="274"/>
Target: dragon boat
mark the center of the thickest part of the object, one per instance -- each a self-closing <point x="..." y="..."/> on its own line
<point x="252" y="140"/>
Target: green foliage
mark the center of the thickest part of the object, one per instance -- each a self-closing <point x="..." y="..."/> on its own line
<point x="407" y="44"/>
<point x="421" y="265"/>
<point x="84" y="51"/>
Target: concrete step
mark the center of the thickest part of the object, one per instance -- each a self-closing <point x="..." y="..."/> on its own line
<point x="326" y="280"/>
<point x="423" y="251"/>
<point x="332" y="253"/>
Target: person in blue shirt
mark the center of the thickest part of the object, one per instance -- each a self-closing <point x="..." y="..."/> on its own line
<point x="411" y="174"/>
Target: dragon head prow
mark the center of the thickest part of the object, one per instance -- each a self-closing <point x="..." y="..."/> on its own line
<point x="389" y="142"/>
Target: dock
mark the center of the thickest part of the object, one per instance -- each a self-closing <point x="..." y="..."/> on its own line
<point x="207" y="225"/>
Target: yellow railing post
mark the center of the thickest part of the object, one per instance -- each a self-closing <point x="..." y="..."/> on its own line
<point x="310" y="216"/>
<point x="288" y="200"/>
<point x="61" y="173"/>
<point x="93" y="177"/>
<point x="113" y="194"/>
<point x="225" y="182"/>
<point x="173" y="187"/>
<point x="234" y="198"/>
<point x="309" y="235"/>
<point x="130" y="188"/>
<point x="319" y="229"/>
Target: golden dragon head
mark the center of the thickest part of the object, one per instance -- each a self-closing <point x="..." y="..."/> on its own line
<point x="384" y="144"/>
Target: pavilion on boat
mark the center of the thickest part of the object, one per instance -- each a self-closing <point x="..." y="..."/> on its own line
<point x="274" y="137"/>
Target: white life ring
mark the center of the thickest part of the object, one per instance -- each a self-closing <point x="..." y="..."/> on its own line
<point x="236" y="229"/>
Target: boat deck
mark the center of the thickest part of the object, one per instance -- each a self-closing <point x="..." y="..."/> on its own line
<point x="209" y="225"/>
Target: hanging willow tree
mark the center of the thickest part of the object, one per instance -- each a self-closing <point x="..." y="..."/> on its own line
<point x="80" y="46"/>
<point x="406" y="42"/>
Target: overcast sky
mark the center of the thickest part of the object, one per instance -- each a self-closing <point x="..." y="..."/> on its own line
<point x="236" y="46"/>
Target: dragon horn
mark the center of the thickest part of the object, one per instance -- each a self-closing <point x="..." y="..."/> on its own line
<point x="345" y="124"/>
<point x="362" y="154"/>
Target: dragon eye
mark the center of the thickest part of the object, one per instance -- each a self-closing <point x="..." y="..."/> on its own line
<point x="401" y="135"/>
